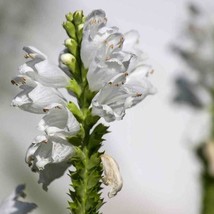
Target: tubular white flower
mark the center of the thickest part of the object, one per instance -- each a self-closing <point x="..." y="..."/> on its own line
<point x="40" y="69"/>
<point x="34" y="97"/>
<point x="59" y="121"/>
<point x="112" y="176"/>
<point x="138" y="86"/>
<point x="13" y="205"/>
<point x="109" y="101"/>
<point x="122" y="92"/>
<point x="101" y="72"/>
<point x="49" y="156"/>
<point x="94" y="34"/>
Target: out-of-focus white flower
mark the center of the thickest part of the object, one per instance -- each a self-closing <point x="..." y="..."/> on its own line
<point x="58" y="121"/>
<point x="35" y="97"/>
<point x="209" y="155"/>
<point x="40" y="69"/>
<point x="13" y="205"/>
<point x="112" y="176"/>
<point x="49" y="156"/>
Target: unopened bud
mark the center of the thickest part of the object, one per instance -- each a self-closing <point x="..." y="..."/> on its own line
<point x="78" y="15"/>
<point x="70" y="29"/>
<point x="72" y="46"/>
<point x="69" y="17"/>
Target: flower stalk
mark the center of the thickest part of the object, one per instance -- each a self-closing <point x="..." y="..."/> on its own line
<point x="105" y="74"/>
<point x="86" y="177"/>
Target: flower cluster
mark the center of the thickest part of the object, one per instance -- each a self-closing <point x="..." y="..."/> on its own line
<point x="12" y="204"/>
<point x="116" y="67"/>
<point x="105" y="72"/>
<point x="39" y="81"/>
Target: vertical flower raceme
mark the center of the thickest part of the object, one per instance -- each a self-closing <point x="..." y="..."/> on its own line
<point x="12" y="204"/>
<point x="105" y="73"/>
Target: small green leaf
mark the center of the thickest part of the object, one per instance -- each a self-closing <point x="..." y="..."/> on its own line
<point x="76" y="111"/>
<point x="70" y="29"/>
<point x="74" y="87"/>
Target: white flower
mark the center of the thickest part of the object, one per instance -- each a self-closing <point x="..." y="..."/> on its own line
<point x="122" y="92"/>
<point x="109" y="102"/>
<point x="34" y="97"/>
<point x="112" y="176"/>
<point x="95" y="33"/>
<point x="101" y="72"/>
<point x="40" y="69"/>
<point x="59" y="121"/>
<point x="13" y="205"/>
<point x="49" y="156"/>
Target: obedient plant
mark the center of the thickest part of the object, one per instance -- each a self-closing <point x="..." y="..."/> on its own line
<point x="197" y="51"/>
<point x="105" y="73"/>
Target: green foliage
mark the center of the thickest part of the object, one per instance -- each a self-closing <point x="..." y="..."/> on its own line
<point x="86" y="182"/>
<point x="96" y="138"/>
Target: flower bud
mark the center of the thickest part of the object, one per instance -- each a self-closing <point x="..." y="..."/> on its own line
<point x="69" y="17"/>
<point x="78" y="15"/>
<point x="72" y="46"/>
<point x="70" y="60"/>
<point x="70" y="29"/>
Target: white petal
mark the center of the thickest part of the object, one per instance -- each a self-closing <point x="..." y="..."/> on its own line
<point x="90" y="46"/>
<point x="94" y="21"/>
<point x="113" y="42"/>
<point x="101" y="72"/>
<point x="112" y="176"/>
<point x="131" y="44"/>
<point x="59" y="121"/>
<point x="36" y="99"/>
<point x="131" y="40"/>
<point x="138" y="86"/>
<point x="109" y="101"/>
<point x="26" y="69"/>
<point x="41" y="70"/>
<point x="50" y="75"/>
<point x="49" y="157"/>
<point x="13" y="205"/>
<point x="34" y="53"/>
<point x="24" y="82"/>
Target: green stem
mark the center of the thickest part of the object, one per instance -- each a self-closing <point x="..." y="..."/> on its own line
<point x="208" y="194"/>
<point x="86" y="178"/>
<point x="207" y="179"/>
